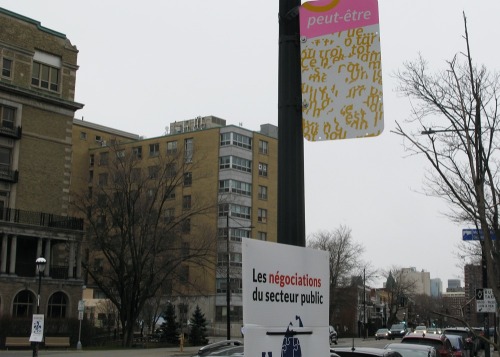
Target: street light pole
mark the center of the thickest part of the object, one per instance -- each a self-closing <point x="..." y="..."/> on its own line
<point x="40" y="267"/>
<point x="228" y="287"/>
<point x="364" y="305"/>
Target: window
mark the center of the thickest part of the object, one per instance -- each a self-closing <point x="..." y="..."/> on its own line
<point x="170" y="194"/>
<point x="188" y="150"/>
<point x="101" y="200"/>
<point x="184" y="274"/>
<point x="7" y="67"/>
<point x="262" y="236"/>
<point x="188" y="178"/>
<point x="169" y="215"/>
<point x="242" y="141"/>
<point x="263" y="192"/>
<point x="5" y="156"/>
<point x="186" y="225"/>
<point x="235" y="186"/>
<point x="45" y="76"/>
<point x="186" y="202"/>
<point x="137" y="152"/>
<point x="240" y="211"/>
<point x="120" y="154"/>
<point x="23" y="304"/>
<point x="135" y="174"/>
<point x="170" y="170"/>
<point x="262" y="169"/>
<point x="262" y="215"/>
<point x="224" y="162"/>
<point x="225" y="139"/>
<point x="234" y="283"/>
<point x="83" y="135"/>
<point x="58" y="303"/>
<point x="235" y="234"/>
<point x="153" y="172"/>
<point x="103" y="179"/>
<point x="185" y="249"/>
<point x="92" y="159"/>
<point x="154" y="149"/>
<point x="241" y="164"/>
<point x="8" y="116"/>
<point x="171" y="147"/>
<point x="103" y="158"/>
<point x="98" y="138"/>
<point x="263" y="147"/>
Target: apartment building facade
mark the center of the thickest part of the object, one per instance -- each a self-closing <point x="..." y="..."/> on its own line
<point x="37" y="106"/>
<point x="228" y="169"/>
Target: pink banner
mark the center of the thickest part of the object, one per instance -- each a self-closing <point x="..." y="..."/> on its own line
<point x="322" y="17"/>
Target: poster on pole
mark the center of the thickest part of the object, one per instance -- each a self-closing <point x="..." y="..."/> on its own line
<point x="37" y="328"/>
<point x="341" y="69"/>
<point x="285" y="300"/>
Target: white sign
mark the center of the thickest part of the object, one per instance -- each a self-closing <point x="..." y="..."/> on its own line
<point x="37" y="328"/>
<point x="81" y="305"/>
<point x="285" y="299"/>
<point x="485" y="300"/>
<point x="80" y="315"/>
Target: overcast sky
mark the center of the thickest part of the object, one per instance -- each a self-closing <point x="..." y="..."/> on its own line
<point x="146" y="64"/>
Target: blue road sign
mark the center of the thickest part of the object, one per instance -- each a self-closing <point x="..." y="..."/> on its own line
<point x="475" y="234"/>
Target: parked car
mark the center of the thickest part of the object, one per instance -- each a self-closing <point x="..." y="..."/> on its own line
<point x="412" y="350"/>
<point x="334" y="338"/>
<point x="221" y="349"/>
<point x="458" y="344"/>
<point x="472" y="343"/>
<point x="362" y="352"/>
<point x="382" y="333"/>
<point x="434" y="330"/>
<point x="398" y="330"/>
<point x="440" y="342"/>
<point x="421" y="329"/>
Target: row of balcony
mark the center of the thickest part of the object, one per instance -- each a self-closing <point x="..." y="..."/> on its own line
<point x="40" y="219"/>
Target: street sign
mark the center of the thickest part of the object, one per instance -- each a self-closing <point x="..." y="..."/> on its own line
<point x="81" y="305"/>
<point x="285" y="299"/>
<point x="475" y="234"/>
<point x="341" y="69"/>
<point x="485" y="300"/>
<point x="80" y="315"/>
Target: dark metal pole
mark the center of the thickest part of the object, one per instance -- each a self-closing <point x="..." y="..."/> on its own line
<point x="364" y="304"/>
<point x="485" y="285"/>
<point x="228" y="287"/>
<point x="291" y="202"/>
<point x="36" y="344"/>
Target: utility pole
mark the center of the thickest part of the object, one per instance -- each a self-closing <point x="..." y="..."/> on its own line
<point x="228" y="281"/>
<point x="291" y="202"/>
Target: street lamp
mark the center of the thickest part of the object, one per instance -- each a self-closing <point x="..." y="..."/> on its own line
<point x="40" y="267"/>
<point x="228" y="287"/>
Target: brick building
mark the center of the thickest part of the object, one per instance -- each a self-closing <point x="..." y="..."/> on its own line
<point x="37" y="88"/>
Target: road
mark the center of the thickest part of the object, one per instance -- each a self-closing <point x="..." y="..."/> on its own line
<point x="175" y="352"/>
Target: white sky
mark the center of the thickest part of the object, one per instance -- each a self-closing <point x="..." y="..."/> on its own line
<point x="146" y="64"/>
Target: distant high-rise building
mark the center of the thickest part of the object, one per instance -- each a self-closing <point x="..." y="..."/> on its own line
<point x="421" y="280"/>
<point x="454" y="285"/>
<point x="436" y="287"/>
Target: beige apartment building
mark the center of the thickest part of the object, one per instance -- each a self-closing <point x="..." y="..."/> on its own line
<point x="47" y="158"/>
<point x="228" y="168"/>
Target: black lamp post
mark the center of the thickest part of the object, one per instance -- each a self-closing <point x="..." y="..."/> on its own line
<point x="228" y="283"/>
<point x="40" y="267"/>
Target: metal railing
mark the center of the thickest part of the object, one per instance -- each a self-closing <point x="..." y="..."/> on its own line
<point x="40" y="219"/>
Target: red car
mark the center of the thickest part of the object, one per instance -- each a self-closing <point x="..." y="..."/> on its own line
<point x="440" y="342"/>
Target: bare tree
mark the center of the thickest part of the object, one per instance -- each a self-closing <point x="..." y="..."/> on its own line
<point x="344" y="253"/>
<point x="455" y="115"/>
<point x="345" y="260"/>
<point x="141" y="236"/>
